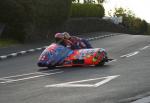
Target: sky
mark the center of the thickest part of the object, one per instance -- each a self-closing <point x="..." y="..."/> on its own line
<point x="141" y="8"/>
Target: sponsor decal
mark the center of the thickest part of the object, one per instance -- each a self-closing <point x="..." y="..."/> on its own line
<point x="94" y="59"/>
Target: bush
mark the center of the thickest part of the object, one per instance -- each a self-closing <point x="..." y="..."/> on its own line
<point x="144" y="27"/>
<point x="87" y="10"/>
<point x="51" y="12"/>
<point x="12" y="15"/>
<point x="148" y="31"/>
<point x="135" y="25"/>
<point x="22" y="15"/>
<point x="11" y="12"/>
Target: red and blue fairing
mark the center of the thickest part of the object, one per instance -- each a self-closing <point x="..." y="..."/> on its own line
<point x="58" y="55"/>
<point x="85" y="57"/>
<point x="53" y="54"/>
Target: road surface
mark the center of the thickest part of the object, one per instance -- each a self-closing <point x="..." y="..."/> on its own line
<point x="21" y="81"/>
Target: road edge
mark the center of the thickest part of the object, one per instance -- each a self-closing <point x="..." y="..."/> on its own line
<point x="2" y="57"/>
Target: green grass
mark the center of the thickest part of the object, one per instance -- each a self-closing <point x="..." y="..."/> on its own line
<point x="7" y="42"/>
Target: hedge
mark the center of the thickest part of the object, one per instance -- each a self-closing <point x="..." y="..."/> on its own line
<point x="87" y="10"/>
<point x="13" y="15"/>
<point x="135" y="25"/>
<point x="51" y="11"/>
<point x="18" y="15"/>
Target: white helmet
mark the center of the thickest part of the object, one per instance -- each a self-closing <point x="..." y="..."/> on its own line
<point x="66" y="35"/>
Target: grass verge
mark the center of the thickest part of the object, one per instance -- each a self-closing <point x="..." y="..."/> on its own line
<point x="7" y="42"/>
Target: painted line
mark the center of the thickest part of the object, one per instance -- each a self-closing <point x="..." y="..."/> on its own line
<point x="76" y="83"/>
<point x="13" y="54"/>
<point x="143" y="100"/>
<point x="4" y="79"/>
<point x="92" y="38"/>
<point x="106" y="80"/>
<point x="38" y="48"/>
<point x="22" y="52"/>
<point x="111" y="34"/>
<point x="31" y="50"/>
<point x="32" y="77"/>
<point x="144" y="47"/>
<point x="114" y="60"/>
<point x="3" y="57"/>
<point x="28" y="74"/>
<point x="130" y="54"/>
<point x="106" y="35"/>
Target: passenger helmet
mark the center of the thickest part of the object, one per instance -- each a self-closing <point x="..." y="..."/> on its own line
<point x="59" y="37"/>
<point x="66" y="35"/>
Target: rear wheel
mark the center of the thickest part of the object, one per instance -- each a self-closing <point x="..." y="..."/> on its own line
<point x="102" y="63"/>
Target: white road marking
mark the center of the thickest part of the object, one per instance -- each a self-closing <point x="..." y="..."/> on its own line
<point x="28" y="74"/>
<point x="143" y="100"/>
<point x="23" y="52"/>
<point x="144" y="47"/>
<point x="114" y="60"/>
<point x="3" y="57"/>
<point x="31" y="50"/>
<point x="38" y="48"/>
<point x="14" y="54"/>
<point x="130" y="54"/>
<point x="10" y="81"/>
<point x="4" y="79"/>
<point x="75" y="83"/>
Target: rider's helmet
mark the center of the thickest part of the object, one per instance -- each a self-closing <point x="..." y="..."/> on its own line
<point x="66" y="35"/>
<point x="59" y="37"/>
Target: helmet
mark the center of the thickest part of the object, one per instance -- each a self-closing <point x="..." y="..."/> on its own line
<point x="66" y="35"/>
<point x="59" y="37"/>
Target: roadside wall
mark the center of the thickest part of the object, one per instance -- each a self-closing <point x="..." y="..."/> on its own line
<point x="86" y="25"/>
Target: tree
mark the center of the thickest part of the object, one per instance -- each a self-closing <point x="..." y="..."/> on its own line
<point x="24" y="18"/>
<point x="144" y="26"/>
<point x="123" y="12"/>
<point x="77" y="1"/>
<point x="120" y="12"/>
<point x="89" y="1"/>
<point x="101" y="1"/>
<point x="133" y="23"/>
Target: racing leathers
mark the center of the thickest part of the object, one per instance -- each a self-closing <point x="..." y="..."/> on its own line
<point x="77" y="43"/>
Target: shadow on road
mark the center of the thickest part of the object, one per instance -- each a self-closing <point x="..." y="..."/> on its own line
<point x="45" y="69"/>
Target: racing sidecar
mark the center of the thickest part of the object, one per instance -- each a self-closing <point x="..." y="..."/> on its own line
<point x="58" y="55"/>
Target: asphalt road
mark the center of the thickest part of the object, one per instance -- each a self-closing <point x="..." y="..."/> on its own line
<point x="21" y="81"/>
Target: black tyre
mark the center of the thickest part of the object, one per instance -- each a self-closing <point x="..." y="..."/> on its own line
<point x="102" y="63"/>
